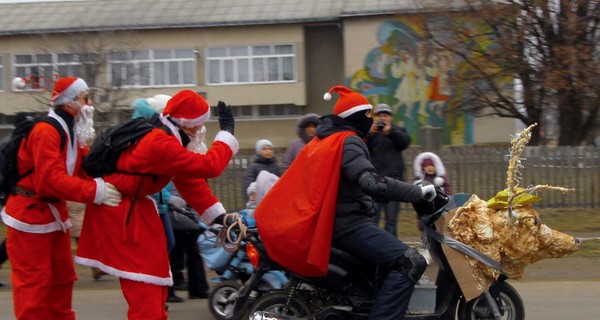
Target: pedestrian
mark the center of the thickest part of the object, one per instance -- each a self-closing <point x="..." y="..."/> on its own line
<point x="325" y="199"/>
<point x="185" y="254"/>
<point x="306" y="127"/>
<point x="429" y="167"/>
<point x="38" y="237"/>
<point x="386" y="142"/>
<point x="128" y="241"/>
<point x="264" y="160"/>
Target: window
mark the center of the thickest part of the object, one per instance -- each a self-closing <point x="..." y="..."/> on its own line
<point x="41" y="70"/>
<point x="251" y="64"/>
<point x="151" y="68"/>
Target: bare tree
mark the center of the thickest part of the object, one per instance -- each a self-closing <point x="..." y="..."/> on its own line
<point x="85" y="55"/>
<point x="542" y="63"/>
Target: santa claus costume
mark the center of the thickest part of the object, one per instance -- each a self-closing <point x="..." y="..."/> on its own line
<point x="128" y="241"/>
<point x="38" y="239"/>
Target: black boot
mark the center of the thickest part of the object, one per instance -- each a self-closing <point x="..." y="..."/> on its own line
<point x="172" y="297"/>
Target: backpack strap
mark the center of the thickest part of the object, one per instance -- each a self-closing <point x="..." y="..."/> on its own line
<point x="59" y="128"/>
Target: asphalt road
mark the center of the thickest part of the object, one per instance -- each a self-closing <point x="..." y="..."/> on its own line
<point x="544" y="300"/>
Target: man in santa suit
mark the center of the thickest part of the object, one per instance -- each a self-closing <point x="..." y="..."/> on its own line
<point x="325" y="199"/>
<point x="38" y="239"/>
<point x="128" y="241"/>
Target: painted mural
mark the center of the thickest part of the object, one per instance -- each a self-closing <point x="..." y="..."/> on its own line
<point x="413" y="76"/>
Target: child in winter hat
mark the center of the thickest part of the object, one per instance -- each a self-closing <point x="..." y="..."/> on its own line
<point x="429" y="167"/>
<point x="261" y="144"/>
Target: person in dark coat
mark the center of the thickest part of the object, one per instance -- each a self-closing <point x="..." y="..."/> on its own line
<point x="337" y="164"/>
<point x="386" y="142"/>
<point x="306" y="129"/>
<point x="264" y="160"/>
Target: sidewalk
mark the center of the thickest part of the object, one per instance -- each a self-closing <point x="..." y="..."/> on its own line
<point x="102" y="300"/>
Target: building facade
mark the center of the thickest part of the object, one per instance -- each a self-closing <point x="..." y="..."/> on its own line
<point x="271" y="60"/>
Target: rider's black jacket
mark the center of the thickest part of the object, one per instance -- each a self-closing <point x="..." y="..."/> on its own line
<point x="354" y="209"/>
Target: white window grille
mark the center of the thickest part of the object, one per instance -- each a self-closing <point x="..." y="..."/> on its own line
<point x="251" y="64"/>
<point x="152" y="68"/>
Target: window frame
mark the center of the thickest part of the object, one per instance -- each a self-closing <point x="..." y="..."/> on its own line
<point x="130" y="60"/>
<point x="55" y="66"/>
<point x="229" y="61"/>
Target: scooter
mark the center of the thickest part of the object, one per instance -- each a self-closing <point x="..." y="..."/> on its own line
<point x="349" y="288"/>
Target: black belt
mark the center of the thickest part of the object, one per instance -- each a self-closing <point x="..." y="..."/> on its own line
<point x="30" y="194"/>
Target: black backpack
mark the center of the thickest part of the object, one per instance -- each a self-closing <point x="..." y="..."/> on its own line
<point x="9" y="147"/>
<point x="104" y="152"/>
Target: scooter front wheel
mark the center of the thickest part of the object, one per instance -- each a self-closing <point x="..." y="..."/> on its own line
<point x="222" y="299"/>
<point x="510" y="305"/>
<point x="280" y="304"/>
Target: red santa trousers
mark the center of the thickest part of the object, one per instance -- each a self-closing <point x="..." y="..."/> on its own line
<point x="42" y="274"/>
<point x="146" y="301"/>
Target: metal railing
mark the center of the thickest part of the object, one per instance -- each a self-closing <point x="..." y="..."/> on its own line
<point x="479" y="170"/>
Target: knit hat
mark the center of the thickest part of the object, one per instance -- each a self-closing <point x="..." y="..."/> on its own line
<point x="251" y="188"/>
<point x="67" y="89"/>
<point x="383" y="108"/>
<point x="158" y="102"/>
<point x="427" y="162"/>
<point x="349" y="101"/>
<point x="141" y="109"/>
<point x="260" y="144"/>
<point x="187" y="109"/>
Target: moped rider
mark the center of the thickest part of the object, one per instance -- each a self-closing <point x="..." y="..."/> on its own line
<point x="334" y="184"/>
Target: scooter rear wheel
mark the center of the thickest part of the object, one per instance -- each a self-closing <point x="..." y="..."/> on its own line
<point x="279" y="303"/>
<point x="478" y="309"/>
<point x="222" y="299"/>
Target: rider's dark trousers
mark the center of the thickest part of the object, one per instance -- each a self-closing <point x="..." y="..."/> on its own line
<point x="375" y="245"/>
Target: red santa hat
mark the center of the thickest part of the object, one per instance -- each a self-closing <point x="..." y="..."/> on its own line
<point x="349" y="101"/>
<point x="187" y="109"/>
<point x="67" y="89"/>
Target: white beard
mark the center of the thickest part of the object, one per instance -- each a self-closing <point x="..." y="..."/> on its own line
<point x="84" y="125"/>
<point x="196" y="144"/>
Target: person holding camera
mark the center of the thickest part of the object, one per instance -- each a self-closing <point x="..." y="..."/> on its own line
<point x="386" y="142"/>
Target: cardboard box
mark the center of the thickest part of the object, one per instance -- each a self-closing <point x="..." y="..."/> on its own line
<point x="462" y="270"/>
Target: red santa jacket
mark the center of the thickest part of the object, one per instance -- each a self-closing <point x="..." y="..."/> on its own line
<point x="56" y="177"/>
<point x="295" y="218"/>
<point x="137" y="250"/>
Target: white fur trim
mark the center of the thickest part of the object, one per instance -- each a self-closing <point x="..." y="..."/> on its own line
<point x="229" y="139"/>
<point x="212" y="212"/>
<point x="34" y="228"/>
<point x="189" y="123"/>
<point x="355" y="110"/>
<point x="140" y="277"/>
<point x="440" y="170"/>
<point x="70" y="93"/>
<point x="99" y="198"/>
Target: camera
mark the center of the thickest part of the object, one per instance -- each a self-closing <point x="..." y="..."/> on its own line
<point x="380" y="125"/>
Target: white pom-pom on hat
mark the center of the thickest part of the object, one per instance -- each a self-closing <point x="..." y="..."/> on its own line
<point x="349" y="101"/>
<point x="438" y="181"/>
<point x="18" y="82"/>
